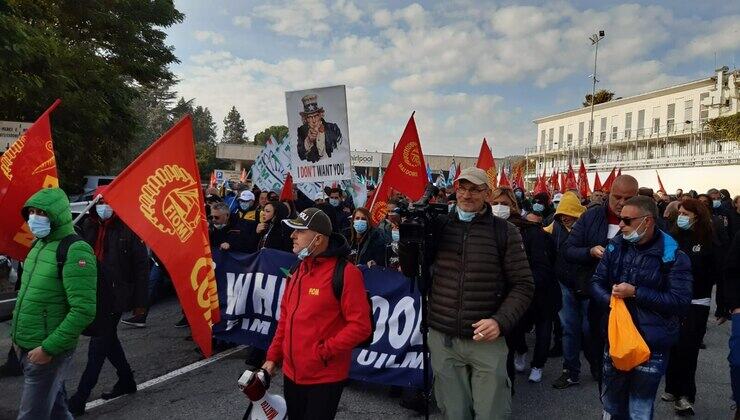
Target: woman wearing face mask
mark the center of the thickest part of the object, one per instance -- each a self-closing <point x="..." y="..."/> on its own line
<point x="695" y="236"/>
<point x="272" y="232"/>
<point x="546" y="301"/>
<point x="367" y="243"/>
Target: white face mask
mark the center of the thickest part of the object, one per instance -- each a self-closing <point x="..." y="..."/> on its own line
<point x="501" y="210"/>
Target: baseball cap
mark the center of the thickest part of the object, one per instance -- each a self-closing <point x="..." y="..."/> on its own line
<point x="558" y="197"/>
<point x="475" y="175"/>
<point x="246" y="195"/>
<point x="311" y="219"/>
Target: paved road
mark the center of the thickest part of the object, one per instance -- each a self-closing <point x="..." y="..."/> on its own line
<point x="210" y="392"/>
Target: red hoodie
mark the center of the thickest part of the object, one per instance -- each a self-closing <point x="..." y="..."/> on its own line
<point x="316" y="333"/>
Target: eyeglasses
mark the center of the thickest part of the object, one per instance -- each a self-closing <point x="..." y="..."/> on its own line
<point x="628" y="220"/>
<point x="471" y="190"/>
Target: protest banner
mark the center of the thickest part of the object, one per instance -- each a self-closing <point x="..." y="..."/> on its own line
<point x="251" y="286"/>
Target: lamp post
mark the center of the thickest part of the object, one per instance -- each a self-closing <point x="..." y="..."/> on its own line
<point x="595" y="38"/>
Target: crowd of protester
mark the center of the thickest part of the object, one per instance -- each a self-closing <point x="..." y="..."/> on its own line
<point x="507" y="262"/>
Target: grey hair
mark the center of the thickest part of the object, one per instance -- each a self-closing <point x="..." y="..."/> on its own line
<point x="220" y="206"/>
<point x="644" y="203"/>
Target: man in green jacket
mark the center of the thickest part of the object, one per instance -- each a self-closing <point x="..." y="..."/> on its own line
<point x="51" y="312"/>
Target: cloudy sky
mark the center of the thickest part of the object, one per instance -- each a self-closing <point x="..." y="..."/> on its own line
<point x="469" y="69"/>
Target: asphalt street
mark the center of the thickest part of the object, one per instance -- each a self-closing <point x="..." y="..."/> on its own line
<point x="210" y="392"/>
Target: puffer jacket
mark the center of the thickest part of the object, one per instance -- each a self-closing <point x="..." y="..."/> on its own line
<point x="124" y="265"/>
<point x="661" y="272"/>
<point x="316" y="332"/>
<point x="589" y="231"/>
<point x="51" y="312"/>
<point x="468" y="280"/>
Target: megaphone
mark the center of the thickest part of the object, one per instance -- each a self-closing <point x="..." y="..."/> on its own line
<point x="263" y="405"/>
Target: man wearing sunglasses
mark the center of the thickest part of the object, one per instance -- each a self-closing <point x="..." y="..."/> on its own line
<point x="230" y="233"/>
<point x="645" y="267"/>
<point x="584" y="249"/>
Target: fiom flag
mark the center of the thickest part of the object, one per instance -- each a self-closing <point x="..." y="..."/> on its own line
<point x="487" y="163"/>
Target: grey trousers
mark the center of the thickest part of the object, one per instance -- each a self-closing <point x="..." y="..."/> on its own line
<point x="470" y="379"/>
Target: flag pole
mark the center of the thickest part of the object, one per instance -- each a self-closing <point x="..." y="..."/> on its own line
<point x="87" y="208"/>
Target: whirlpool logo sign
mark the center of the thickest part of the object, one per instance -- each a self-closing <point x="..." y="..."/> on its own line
<point x="365" y="159"/>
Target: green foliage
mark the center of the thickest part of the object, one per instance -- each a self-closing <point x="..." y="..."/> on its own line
<point x="98" y="56"/>
<point x="279" y="132"/>
<point x="602" y="95"/>
<point x="726" y="127"/>
<point x="235" y="130"/>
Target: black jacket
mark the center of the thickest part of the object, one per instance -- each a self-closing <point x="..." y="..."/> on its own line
<point x="370" y="248"/>
<point x="706" y="262"/>
<point x="125" y="263"/>
<point x="469" y="281"/>
<point x="277" y="234"/>
<point x="241" y="235"/>
<point x="332" y="138"/>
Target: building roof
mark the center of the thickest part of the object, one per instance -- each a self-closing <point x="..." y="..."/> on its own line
<point x="623" y="101"/>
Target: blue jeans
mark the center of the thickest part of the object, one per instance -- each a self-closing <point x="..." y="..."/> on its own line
<point x="734" y="358"/>
<point x="630" y="395"/>
<point x="44" y="396"/>
<point x="157" y="276"/>
<point x="576" y="335"/>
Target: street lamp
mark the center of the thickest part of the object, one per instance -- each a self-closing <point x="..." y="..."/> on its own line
<point x="595" y="38"/>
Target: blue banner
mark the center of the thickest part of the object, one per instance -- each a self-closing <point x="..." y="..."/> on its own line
<point x="251" y="286"/>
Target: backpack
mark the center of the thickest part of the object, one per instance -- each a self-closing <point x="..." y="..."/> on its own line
<point x="337" y="286"/>
<point x="104" y="291"/>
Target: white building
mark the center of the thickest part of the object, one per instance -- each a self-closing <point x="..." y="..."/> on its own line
<point x="662" y="130"/>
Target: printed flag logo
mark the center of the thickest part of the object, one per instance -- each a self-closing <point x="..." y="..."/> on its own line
<point x="169" y="200"/>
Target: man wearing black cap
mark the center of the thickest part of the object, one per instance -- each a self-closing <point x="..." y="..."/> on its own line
<point x="320" y="324"/>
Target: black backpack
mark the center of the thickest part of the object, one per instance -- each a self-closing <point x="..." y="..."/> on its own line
<point x="337" y="286"/>
<point x="104" y="291"/>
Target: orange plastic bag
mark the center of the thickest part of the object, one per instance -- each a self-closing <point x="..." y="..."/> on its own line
<point x="627" y="348"/>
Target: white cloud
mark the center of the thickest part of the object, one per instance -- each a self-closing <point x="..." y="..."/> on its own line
<point x="242" y="21"/>
<point x="208" y="36"/>
<point x="717" y="36"/>
<point x="302" y="19"/>
<point x="382" y="18"/>
<point x="349" y="10"/>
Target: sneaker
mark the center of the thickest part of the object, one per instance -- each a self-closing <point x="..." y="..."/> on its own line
<point x="520" y="362"/>
<point x="183" y="322"/>
<point x="535" y="376"/>
<point x="668" y="397"/>
<point x="683" y="407"/>
<point x="564" y="381"/>
<point x="138" y="321"/>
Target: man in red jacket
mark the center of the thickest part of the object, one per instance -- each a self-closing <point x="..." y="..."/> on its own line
<point x="317" y="332"/>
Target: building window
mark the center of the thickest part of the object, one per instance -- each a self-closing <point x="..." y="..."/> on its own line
<point x="703" y="109"/>
<point x="671" y="118"/>
<point x="551" y="138"/>
<point x="688" y="112"/>
<point x="561" y="133"/>
<point x="640" y="123"/>
<point x="614" y="133"/>
<point x="602" y="131"/>
<point x="542" y="139"/>
<point x="628" y="125"/>
<point x="580" y="133"/>
<point x="656" y="126"/>
<point x="570" y="139"/>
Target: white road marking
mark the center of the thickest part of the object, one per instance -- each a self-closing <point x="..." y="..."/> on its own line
<point x="173" y="374"/>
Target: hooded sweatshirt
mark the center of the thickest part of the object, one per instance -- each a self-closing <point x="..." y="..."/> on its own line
<point x="316" y="332"/>
<point x="51" y="312"/>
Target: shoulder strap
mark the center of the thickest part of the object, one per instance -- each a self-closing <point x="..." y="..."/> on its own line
<point x="337" y="281"/>
<point x="63" y="249"/>
<point x="501" y="232"/>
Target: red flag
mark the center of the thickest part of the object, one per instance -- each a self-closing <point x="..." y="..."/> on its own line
<point x="570" y="179"/>
<point x="214" y="181"/>
<point x="487" y="163"/>
<point x="597" y="182"/>
<point x="243" y="176"/>
<point x="519" y="178"/>
<point x="660" y="184"/>
<point x="563" y="180"/>
<point x="540" y="186"/>
<point x="504" y="181"/>
<point x="159" y="197"/>
<point x="619" y="172"/>
<point x="26" y="167"/>
<point x="287" y="193"/>
<point x="554" y="181"/>
<point x="406" y="172"/>
<point x="607" y="187"/>
<point x="583" y="187"/>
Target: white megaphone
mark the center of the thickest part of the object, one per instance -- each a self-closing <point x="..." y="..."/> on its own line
<point x="263" y="405"/>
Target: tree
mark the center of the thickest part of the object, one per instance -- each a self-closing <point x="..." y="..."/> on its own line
<point x="204" y="132"/>
<point x="279" y="132"/>
<point x="94" y="55"/>
<point x="235" y="130"/>
<point x="727" y="127"/>
<point x="602" y="95"/>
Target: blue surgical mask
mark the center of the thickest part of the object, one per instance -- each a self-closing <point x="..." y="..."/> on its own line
<point x="635" y="237"/>
<point x="104" y="211"/>
<point x="360" y="226"/>
<point x="518" y="194"/>
<point x="304" y="253"/>
<point x="245" y="205"/>
<point x="450" y="207"/>
<point x="395" y="235"/>
<point x="684" y="222"/>
<point x="537" y="207"/>
<point x="40" y="226"/>
<point x="334" y="202"/>
<point x="465" y="216"/>
<point x="716" y="203"/>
